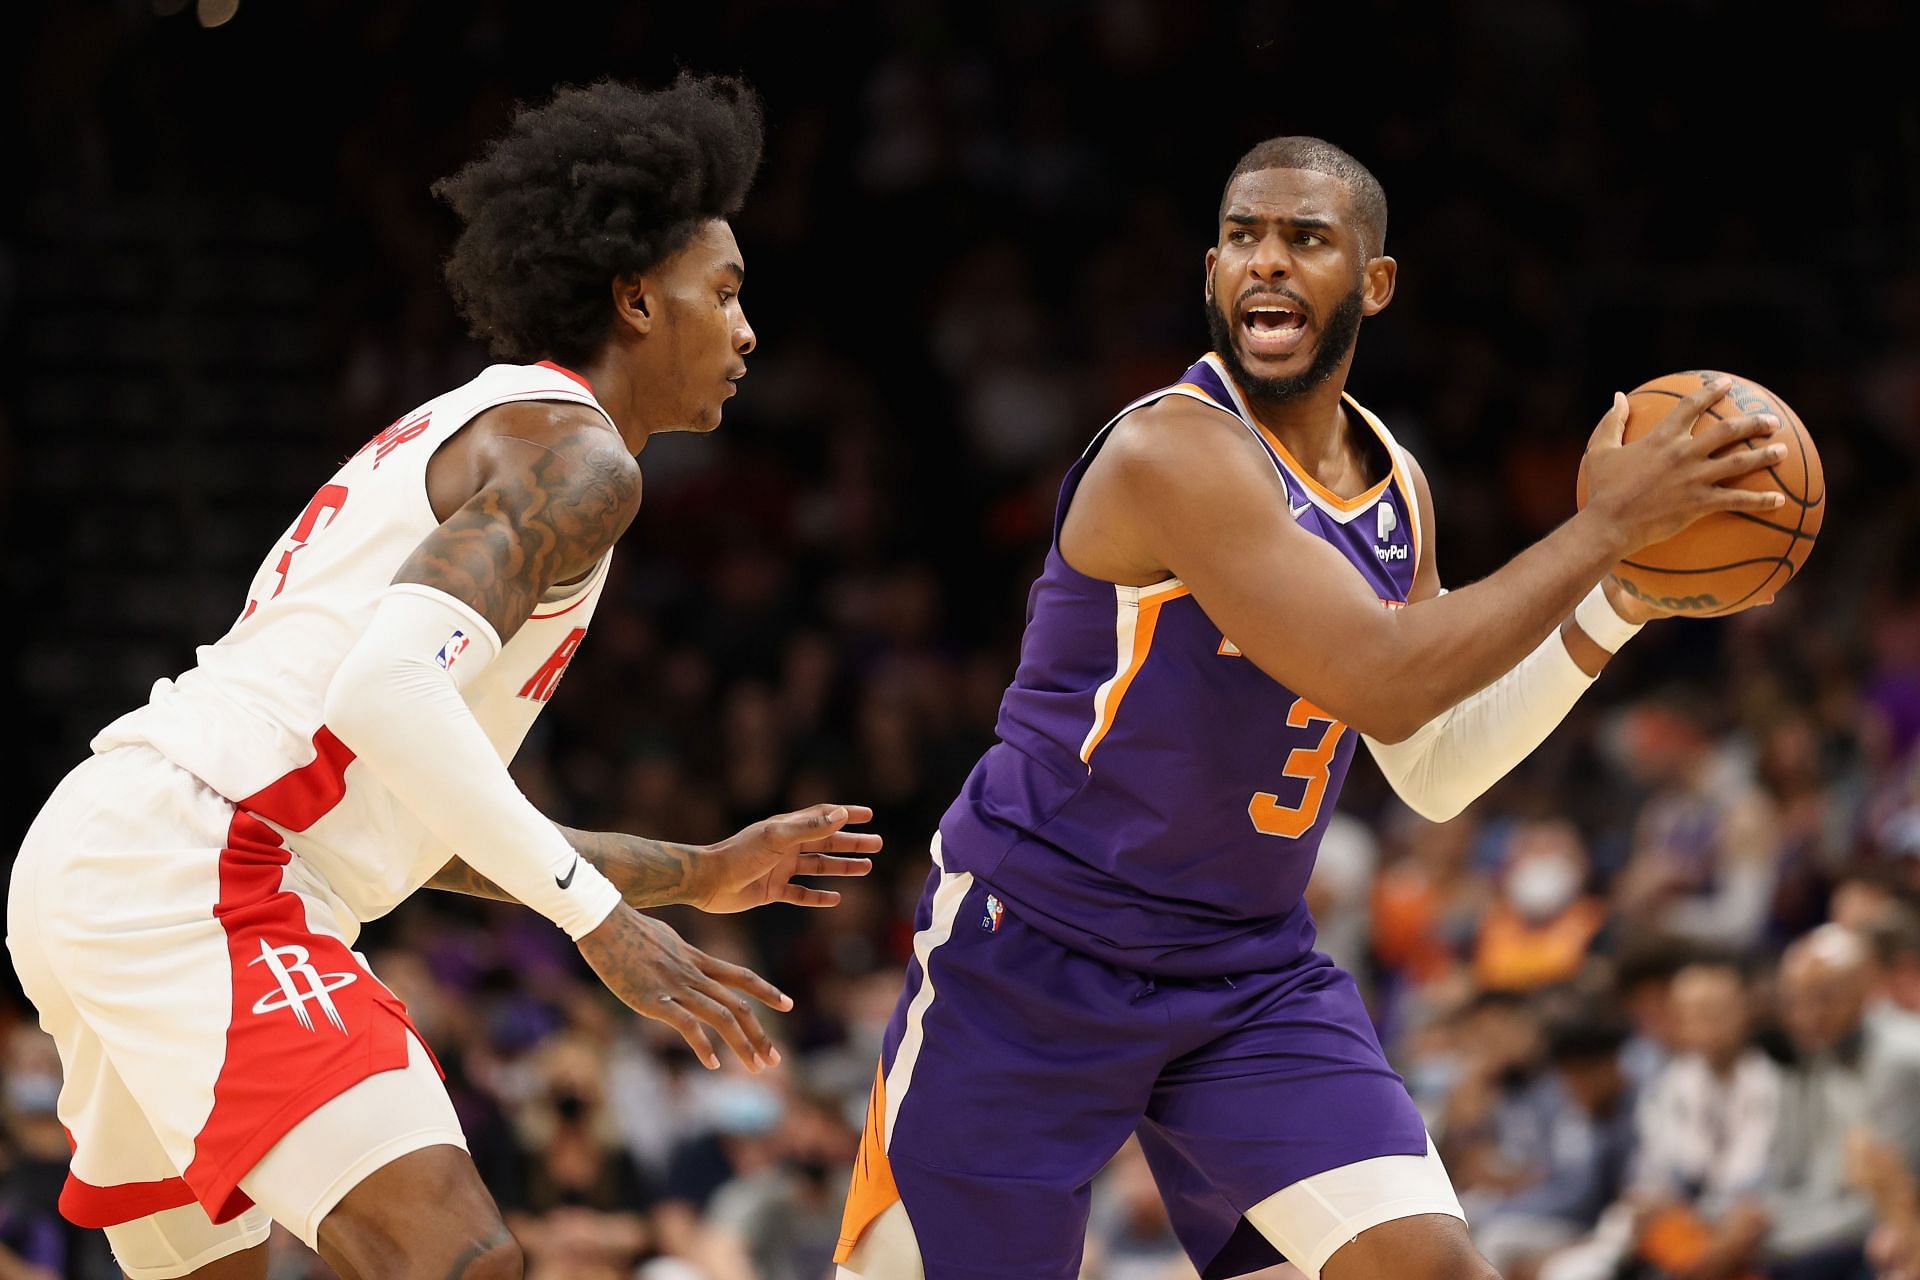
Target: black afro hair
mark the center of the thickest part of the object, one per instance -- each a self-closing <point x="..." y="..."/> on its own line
<point x="600" y="181"/>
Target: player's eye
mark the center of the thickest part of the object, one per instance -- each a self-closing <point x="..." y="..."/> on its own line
<point x="726" y="296"/>
<point x="1309" y="238"/>
<point x="1240" y="237"/>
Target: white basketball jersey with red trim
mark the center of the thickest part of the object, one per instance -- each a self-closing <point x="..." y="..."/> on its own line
<point x="247" y="718"/>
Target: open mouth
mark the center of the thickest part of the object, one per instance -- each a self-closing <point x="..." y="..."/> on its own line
<point x="1272" y="328"/>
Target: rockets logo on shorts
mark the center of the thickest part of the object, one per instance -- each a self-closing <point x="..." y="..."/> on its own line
<point x="450" y="651"/>
<point x="293" y="961"/>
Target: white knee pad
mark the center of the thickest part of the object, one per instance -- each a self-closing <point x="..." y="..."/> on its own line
<point x="386" y="1116"/>
<point x="178" y="1242"/>
<point x="887" y="1250"/>
<point x="1311" y="1219"/>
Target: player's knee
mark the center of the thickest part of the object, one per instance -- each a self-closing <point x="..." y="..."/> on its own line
<point x="499" y="1258"/>
<point x="1453" y="1258"/>
<point x="1425" y="1247"/>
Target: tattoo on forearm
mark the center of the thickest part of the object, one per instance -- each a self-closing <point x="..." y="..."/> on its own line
<point x="648" y="873"/>
<point x="458" y="877"/>
<point x="529" y="528"/>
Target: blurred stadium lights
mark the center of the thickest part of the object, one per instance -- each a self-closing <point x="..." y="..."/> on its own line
<point x="213" y="13"/>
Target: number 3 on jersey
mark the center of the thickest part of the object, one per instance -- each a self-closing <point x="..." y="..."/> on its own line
<point x="319" y="514"/>
<point x="1310" y="765"/>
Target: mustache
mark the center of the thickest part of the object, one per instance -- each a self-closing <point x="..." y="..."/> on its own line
<point x="1299" y="303"/>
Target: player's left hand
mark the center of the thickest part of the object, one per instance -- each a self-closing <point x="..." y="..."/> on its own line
<point x="758" y="865"/>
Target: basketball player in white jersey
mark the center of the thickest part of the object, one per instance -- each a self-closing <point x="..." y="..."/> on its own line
<point x="182" y="910"/>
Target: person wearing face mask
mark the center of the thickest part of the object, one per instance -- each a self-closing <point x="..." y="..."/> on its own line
<point x="1539" y="930"/>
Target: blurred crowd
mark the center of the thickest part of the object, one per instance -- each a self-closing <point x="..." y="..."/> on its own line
<point x="1657" y="994"/>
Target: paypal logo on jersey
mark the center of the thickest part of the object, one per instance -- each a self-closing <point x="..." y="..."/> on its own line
<point x="1385" y="521"/>
<point x="450" y="651"/>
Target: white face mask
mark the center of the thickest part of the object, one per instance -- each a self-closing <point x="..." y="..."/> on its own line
<point x="1540" y="887"/>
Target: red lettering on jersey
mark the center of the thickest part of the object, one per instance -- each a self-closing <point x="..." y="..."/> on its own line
<point x="542" y="683"/>
<point x="328" y="502"/>
<point x="396" y="434"/>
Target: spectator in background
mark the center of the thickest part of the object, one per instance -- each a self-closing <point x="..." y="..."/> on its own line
<point x="1848" y="1075"/>
<point x="1896" y="949"/>
<point x="1706" y="848"/>
<point x="35" y="1242"/>
<point x="1643" y="978"/>
<point x="1494" y="1058"/>
<point x="1573" y="1162"/>
<point x="1427" y="904"/>
<point x="579" y="1201"/>
<point x="1129" y="1236"/>
<point x="1338" y="893"/>
<point x="1704" y="1131"/>
<point x="1538" y="931"/>
<point x="737" y="1139"/>
<point x="781" y="1219"/>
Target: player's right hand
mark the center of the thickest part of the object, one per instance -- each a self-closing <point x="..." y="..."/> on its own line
<point x="658" y="975"/>
<point x="1668" y="478"/>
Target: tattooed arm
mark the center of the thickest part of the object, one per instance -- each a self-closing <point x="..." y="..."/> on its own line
<point x="751" y="869"/>
<point x="648" y="873"/>
<point x="532" y="495"/>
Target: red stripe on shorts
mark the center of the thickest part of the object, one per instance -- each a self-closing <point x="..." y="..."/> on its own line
<point x="308" y="1022"/>
<point x="85" y="1205"/>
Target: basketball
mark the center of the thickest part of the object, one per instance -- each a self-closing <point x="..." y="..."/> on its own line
<point x="1727" y="561"/>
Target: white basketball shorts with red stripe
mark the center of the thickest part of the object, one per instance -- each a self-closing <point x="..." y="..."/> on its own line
<point x="199" y="982"/>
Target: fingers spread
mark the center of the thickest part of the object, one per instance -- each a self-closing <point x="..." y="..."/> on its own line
<point x="802" y="896"/>
<point x="732" y="975"/>
<point x="734" y="1022"/>
<point x="1680" y="419"/>
<point x="819" y="864"/>
<point x="667" y="1009"/>
<point x="1740" y="462"/>
<point x="1734" y="430"/>
<point x="1748" y="499"/>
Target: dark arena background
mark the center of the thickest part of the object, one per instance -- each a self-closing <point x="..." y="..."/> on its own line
<point x="977" y="232"/>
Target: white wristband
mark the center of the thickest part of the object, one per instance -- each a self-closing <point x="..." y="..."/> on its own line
<point x="1603" y="624"/>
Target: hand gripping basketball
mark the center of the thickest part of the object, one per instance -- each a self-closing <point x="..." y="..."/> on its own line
<point x="1657" y="485"/>
<point x="1747" y="494"/>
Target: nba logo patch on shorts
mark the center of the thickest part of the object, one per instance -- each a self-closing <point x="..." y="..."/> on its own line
<point x="991" y="920"/>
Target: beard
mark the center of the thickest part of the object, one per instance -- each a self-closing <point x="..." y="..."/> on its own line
<point x="1336" y="340"/>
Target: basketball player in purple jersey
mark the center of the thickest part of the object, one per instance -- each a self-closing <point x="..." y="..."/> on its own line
<point x="1113" y="938"/>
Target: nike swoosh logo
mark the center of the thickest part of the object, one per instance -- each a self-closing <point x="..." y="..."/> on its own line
<point x="1297" y="510"/>
<point x="568" y="882"/>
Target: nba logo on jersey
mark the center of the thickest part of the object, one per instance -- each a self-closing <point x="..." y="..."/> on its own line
<point x="450" y="651"/>
<point x="991" y="921"/>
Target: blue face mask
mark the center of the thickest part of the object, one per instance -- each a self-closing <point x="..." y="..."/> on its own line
<point x="742" y="1108"/>
<point x="33" y="1093"/>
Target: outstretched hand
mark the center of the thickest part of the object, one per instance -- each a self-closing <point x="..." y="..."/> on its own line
<point x="758" y="865"/>
<point x="659" y="975"/>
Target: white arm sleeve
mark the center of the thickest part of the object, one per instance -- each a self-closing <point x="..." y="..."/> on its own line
<point x="396" y="703"/>
<point x="1453" y="758"/>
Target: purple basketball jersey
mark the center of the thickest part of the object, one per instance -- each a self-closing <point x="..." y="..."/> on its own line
<point x="1155" y="800"/>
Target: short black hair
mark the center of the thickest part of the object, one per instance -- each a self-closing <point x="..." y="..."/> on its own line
<point x="1321" y="156"/>
<point x="1597" y="1036"/>
<point x="598" y="182"/>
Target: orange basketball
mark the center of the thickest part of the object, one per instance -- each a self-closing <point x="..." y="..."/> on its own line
<point x="1727" y="561"/>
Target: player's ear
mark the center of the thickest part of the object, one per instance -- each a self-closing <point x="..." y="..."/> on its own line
<point x="635" y="302"/>
<point x="1213" y="256"/>
<point x="1377" y="284"/>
